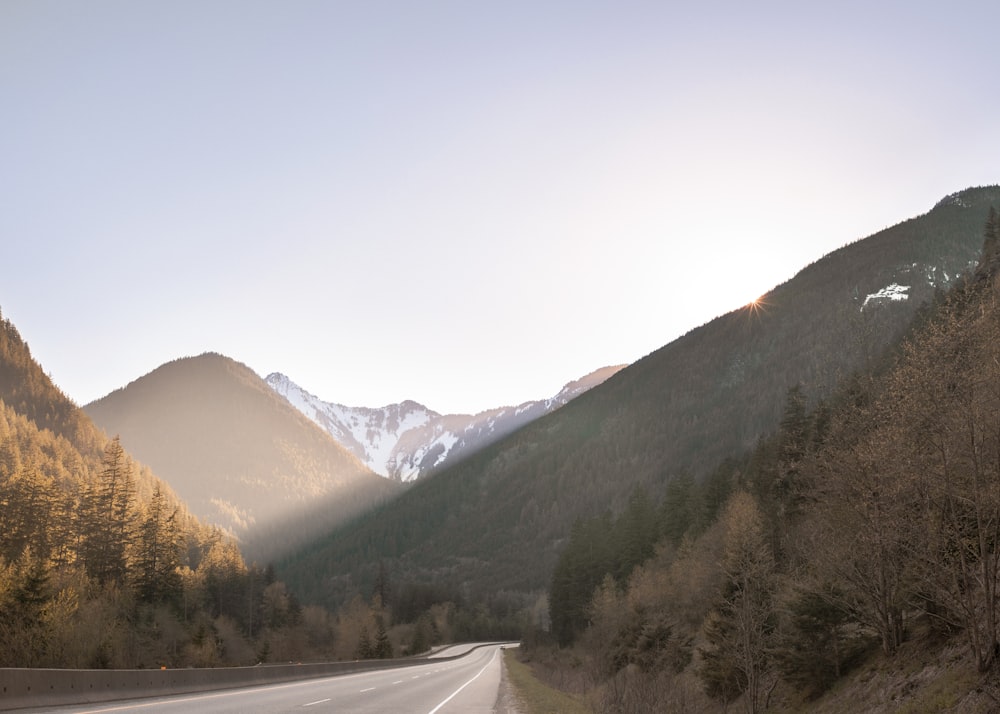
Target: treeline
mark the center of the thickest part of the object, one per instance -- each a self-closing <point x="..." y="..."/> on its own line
<point x="861" y="524"/>
<point x="102" y="566"/>
<point x="93" y="575"/>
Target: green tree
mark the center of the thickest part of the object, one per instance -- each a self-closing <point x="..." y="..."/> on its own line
<point x="636" y="535"/>
<point x="107" y="518"/>
<point x="24" y="593"/>
<point x="382" y="590"/>
<point x="420" y="641"/>
<point x="383" y="647"/>
<point x="158" y="551"/>
<point x="819" y="642"/>
<point x="793" y="443"/>
<point x="582" y="564"/>
<point x="224" y="574"/>
<point x="678" y="509"/>
<point x="364" y="650"/>
<point x="29" y="511"/>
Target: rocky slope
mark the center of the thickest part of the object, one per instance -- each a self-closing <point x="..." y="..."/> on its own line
<point x="407" y="441"/>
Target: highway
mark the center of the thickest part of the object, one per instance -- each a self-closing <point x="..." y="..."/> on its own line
<point x="468" y="685"/>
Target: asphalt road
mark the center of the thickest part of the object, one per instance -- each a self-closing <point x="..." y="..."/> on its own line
<point x="468" y="685"/>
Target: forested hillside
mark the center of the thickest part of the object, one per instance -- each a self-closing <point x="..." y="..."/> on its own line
<point x="81" y="526"/>
<point x="863" y="535"/>
<point x="102" y="566"/>
<point x="497" y="521"/>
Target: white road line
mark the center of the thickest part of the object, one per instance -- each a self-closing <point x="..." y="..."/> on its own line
<point x="452" y="695"/>
<point x="182" y="697"/>
<point x="169" y="700"/>
<point x="398" y="681"/>
<point x="370" y="689"/>
<point x="319" y="701"/>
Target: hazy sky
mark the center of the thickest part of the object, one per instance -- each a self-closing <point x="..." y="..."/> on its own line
<point x="464" y="203"/>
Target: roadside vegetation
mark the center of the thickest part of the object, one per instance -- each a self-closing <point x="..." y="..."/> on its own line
<point x="862" y="535"/>
<point x="535" y="697"/>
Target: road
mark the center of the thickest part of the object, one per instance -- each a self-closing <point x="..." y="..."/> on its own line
<point x="468" y="685"/>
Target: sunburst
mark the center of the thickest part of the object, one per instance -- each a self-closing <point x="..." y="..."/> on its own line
<point x="756" y="308"/>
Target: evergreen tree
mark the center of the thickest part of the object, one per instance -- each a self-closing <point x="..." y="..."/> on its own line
<point x="583" y="563"/>
<point x="678" y="509"/>
<point x="382" y="589"/>
<point x="383" y="647"/>
<point x="636" y="535"/>
<point x="29" y="506"/>
<point x="421" y="635"/>
<point x="819" y="643"/>
<point x="24" y="594"/>
<point x="107" y="518"/>
<point x="158" y="551"/>
<point x="364" y="650"/>
<point x="224" y="574"/>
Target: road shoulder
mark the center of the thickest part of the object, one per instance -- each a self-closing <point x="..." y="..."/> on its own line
<point x="507" y="701"/>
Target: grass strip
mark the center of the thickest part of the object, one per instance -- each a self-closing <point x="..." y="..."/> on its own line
<point x="536" y="697"/>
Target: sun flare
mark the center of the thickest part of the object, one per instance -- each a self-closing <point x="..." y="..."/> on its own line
<point x="757" y="306"/>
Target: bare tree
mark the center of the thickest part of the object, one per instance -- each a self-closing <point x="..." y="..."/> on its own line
<point x="741" y="629"/>
<point x="949" y="385"/>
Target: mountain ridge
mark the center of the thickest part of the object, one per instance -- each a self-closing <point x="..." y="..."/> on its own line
<point x="406" y="441"/>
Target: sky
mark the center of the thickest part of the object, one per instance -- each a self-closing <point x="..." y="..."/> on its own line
<point x="468" y="203"/>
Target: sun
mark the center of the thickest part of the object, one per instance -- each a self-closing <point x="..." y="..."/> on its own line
<point x="756" y="307"/>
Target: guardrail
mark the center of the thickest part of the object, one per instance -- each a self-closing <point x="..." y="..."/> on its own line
<point x="26" y="688"/>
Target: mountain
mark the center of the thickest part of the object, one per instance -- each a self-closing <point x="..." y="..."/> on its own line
<point x="407" y="441"/>
<point x="496" y="521"/>
<point x="237" y="453"/>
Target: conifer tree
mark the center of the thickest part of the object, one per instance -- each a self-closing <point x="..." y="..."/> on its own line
<point x="421" y="635"/>
<point x="677" y="511"/>
<point x="583" y="563"/>
<point x="819" y="641"/>
<point x="107" y="518"/>
<point x="637" y="533"/>
<point x="24" y="593"/>
<point x="28" y="505"/>
<point x="224" y="574"/>
<point x="383" y="647"/>
<point x="158" y="551"/>
<point x="382" y="591"/>
<point x="364" y="649"/>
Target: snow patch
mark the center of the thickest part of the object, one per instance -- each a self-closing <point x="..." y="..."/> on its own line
<point x="890" y="293"/>
<point x="448" y="440"/>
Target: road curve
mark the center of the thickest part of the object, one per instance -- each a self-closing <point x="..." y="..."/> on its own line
<point x="468" y="685"/>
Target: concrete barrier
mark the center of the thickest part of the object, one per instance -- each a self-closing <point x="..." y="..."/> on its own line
<point x="23" y="688"/>
<point x="27" y="688"/>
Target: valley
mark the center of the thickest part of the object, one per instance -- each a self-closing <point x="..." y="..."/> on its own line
<point x="204" y="515"/>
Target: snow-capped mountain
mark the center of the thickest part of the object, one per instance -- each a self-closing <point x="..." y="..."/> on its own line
<point x="406" y="441"/>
